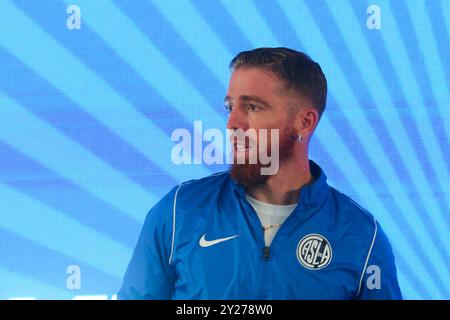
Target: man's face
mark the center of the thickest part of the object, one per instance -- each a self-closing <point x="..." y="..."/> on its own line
<point x="257" y="100"/>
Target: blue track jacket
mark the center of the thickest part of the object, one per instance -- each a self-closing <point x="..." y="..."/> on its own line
<point x="203" y="240"/>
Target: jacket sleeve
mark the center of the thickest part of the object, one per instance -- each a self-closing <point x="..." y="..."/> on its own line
<point x="149" y="274"/>
<point x="379" y="278"/>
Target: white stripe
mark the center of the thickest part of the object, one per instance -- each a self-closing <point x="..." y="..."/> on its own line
<point x="175" y="209"/>
<point x="173" y="222"/>
<point x="219" y="173"/>
<point x="368" y="256"/>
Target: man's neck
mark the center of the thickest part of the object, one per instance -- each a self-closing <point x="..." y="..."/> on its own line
<point x="284" y="187"/>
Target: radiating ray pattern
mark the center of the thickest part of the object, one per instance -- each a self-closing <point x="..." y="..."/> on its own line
<point x="86" y="118"/>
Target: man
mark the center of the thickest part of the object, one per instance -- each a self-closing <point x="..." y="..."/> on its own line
<point x="240" y="234"/>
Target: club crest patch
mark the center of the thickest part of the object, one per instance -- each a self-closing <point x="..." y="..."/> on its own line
<point x="314" y="252"/>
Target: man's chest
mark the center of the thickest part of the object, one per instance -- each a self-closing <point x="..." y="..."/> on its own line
<point x="227" y="258"/>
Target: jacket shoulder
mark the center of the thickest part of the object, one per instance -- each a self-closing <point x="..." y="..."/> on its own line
<point x="202" y="188"/>
<point x="353" y="214"/>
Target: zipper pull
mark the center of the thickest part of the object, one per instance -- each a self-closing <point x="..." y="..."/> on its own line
<point x="266" y="255"/>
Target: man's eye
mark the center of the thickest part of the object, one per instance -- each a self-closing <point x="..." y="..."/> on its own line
<point x="228" y="107"/>
<point x="252" y="107"/>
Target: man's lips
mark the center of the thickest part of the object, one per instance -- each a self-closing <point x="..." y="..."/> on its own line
<point x="240" y="147"/>
<point x="243" y="147"/>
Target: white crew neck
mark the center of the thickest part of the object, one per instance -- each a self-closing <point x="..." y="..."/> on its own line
<point x="260" y="203"/>
<point x="270" y="215"/>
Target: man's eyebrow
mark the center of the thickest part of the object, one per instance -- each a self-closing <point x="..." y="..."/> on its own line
<point x="249" y="98"/>
<point x="256" y="99"/>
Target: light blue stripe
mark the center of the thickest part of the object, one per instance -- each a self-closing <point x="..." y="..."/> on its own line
<point x="17" y="285"/>
<point x="35" y="48"/>
<point x="412" y="92"/>
<point x="408" y="291"/>
<point x="436" y="75"/>
<point x="52" y="149"/>
<point x="147" y="61"/>
<point x="445" y="5"/>
<point x="196" y="31"/>
<point x="39" y="223"/>
<point x="251" y="23"/>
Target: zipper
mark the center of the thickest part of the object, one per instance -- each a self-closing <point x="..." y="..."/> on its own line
<point x="266" y="250"/>
<point x="266" y="254"/>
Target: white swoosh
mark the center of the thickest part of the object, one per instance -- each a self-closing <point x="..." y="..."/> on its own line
<point x="205" y="243"/>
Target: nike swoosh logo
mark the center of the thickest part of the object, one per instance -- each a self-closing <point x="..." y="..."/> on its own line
<point x="205" y="243"/>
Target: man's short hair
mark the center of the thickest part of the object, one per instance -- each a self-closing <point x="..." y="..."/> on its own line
<point x="295" y="69"/>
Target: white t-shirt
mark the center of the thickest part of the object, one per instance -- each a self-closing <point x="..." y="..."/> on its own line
<point x="270" y="214"/>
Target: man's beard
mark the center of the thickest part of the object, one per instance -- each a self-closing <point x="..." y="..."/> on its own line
<point x="249" y="175"/>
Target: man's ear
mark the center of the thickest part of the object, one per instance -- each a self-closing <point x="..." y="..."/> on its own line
<point x="306" y="121"/>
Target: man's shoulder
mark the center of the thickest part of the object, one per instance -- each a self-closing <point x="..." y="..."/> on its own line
<point x="190" y="192"/>
<point x="211" y="180"/>
<point x="359" y="227"/>
<point x="205" y="186"/>
<point x="352" y="213"/>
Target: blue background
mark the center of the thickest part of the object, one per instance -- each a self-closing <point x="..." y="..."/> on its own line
<point x="87" y="116"/>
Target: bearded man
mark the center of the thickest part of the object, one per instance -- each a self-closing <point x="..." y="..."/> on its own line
<point x="246" y="234"/>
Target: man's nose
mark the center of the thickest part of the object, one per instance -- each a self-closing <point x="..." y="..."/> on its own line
<point x="237" y="119"/>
